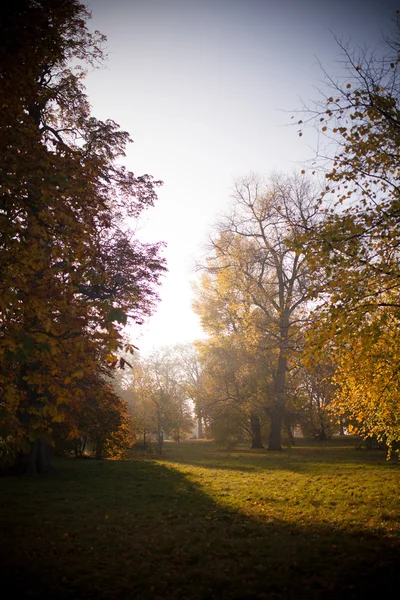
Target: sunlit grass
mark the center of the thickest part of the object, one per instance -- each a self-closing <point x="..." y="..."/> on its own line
<point x="314" y="521"/>
<point x="319" y="484"/>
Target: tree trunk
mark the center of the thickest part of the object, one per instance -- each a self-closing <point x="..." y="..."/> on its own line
<point x="99" y="450"/>
<point x="275" y="432"/>
<point x="38" y="460"/>
<point x="278" y="409"/>
<point x="199" y="428"/>
<point x="322" y="430"/>
<point x="160" y="435"/>
<point x="256" y="441"/>
<point x="289" y="431"/>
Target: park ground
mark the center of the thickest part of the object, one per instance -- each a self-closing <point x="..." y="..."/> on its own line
<point x="319" y="520"/>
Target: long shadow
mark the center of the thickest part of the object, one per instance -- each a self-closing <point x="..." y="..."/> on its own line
<point x="142" y="530"/>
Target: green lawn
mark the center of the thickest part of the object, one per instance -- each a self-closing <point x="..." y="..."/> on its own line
<point x="316" y="521"/>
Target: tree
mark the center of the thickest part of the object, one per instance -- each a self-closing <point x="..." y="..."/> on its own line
<point x="187" y="357"/>
<point x="314" y="391"/>
<point x="158" y="399"/>
<point x="357" y="243"/>
<point x="102" y="428"/>
<point x="141" y="406"/>
<point x="356" y="246"/>
<point x="71" y="273"/>
<point x="169" y="380"/>
<point x="266" y="282"/>
<point x="231" y="391"/>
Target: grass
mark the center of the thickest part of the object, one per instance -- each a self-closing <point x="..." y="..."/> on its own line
<point x="316" y="521"/>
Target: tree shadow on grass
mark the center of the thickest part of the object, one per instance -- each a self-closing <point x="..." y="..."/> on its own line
<point x="144" y="531"/>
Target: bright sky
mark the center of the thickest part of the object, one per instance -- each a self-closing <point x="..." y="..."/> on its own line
<point x="206" y="89"/>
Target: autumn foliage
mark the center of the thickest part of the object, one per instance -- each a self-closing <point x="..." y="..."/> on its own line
<point x="71" y="272"/>
<point x="253" y="294"/>
<point x="356" y="245"/>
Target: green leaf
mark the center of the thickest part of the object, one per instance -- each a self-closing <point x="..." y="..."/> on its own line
<point x="117" y="315"/>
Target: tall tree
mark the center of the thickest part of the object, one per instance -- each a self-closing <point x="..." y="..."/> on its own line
<point x="356" y="246"/>
<point x="71" y="273"/>
<point x="266" y="283"/>
<point x="357" y="243"/>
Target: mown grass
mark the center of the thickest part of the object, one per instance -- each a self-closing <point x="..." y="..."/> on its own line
<point x="316" y="521"/>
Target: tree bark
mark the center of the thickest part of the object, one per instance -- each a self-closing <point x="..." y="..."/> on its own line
<point x="275" y="432"/>
<point x="256" y="441"/>
<point x="199" y="428"/>
<point x="278" y="409"/>
<point x="37" y="461"/>
<point x="160" y="436"/>
<point x="99" y="450"/>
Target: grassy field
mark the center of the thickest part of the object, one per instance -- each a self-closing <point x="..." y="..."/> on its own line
<point x="316" y="521"/>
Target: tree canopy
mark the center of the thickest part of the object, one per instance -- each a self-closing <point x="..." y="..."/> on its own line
<point x="257" y="278"/>
<point x="356" y="245"/>
<point x="72" y="273"/>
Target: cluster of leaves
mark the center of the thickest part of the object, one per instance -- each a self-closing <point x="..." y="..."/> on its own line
<point x="71" y="273"/>
<point x="103" y="426"/>
<point x="313" y="394"/>
<point x="356" y="246"/>
<point x="369" y="386"/>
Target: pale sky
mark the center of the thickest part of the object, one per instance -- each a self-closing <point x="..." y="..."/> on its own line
<point x="206" y="88"/>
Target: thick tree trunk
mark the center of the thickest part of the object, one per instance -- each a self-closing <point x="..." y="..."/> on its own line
<point x="278" y="409"/>
<point x="37" y="461"/>
<point x="323" y="436"/>
<point x="99" y="450"/>
<point x="275" y="432"/>
<point x="256" y="441"/>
